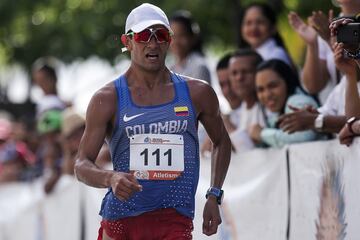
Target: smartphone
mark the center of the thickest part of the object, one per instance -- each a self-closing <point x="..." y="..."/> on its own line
<point x="349" y="34"/>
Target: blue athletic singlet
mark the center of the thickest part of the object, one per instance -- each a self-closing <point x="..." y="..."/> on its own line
<point x="176" y="117"/>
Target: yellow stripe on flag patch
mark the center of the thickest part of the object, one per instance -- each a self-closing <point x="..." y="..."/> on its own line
<point x="182" y="111"/>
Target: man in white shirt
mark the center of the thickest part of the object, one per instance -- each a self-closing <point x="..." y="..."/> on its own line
<point x="242" y="67"/>
<point x="44" y="76"/>
<point x="231" y="118"/>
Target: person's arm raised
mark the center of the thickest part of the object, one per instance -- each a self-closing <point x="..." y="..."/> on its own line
<point x="315" y="74"/>
<point x="320" y="22"/>
<point x="100" y="113"/>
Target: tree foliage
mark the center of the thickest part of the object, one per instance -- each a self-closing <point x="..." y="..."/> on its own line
<point x="71" y="29"/>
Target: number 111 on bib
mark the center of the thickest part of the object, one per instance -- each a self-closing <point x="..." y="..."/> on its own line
<point x="157" y="156"/>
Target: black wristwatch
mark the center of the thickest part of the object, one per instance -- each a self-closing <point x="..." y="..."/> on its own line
<point x="350" y="122"/>
<point x="218" y="193"/>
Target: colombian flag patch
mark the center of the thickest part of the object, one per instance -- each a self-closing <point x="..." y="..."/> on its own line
<point x="182" y="111"/>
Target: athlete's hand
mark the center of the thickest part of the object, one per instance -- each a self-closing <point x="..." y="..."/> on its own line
<point x="211" y="216"/>
<point x="124" y="185"/>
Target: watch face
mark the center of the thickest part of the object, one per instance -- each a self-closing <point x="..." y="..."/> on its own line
<point x="351" y="120"/>
<point x="349" y="124"/>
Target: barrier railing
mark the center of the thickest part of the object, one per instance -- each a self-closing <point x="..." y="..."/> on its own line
<point x="294" y="193"/>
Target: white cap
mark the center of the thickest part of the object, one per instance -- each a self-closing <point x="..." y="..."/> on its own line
<point x="145" y="16"/>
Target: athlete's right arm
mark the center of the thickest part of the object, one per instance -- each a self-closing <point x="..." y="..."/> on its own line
<point x="100" y="112"/>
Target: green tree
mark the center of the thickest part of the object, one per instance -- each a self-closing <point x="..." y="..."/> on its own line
<point x="71" y="29"/>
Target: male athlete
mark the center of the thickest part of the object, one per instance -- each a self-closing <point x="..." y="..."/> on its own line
<point x="149" y="118"/>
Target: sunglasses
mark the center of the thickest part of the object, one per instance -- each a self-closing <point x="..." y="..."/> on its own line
<point x="161" y="35"/>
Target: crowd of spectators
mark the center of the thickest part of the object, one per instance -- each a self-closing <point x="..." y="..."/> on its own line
<point x="272" y="102"/>
<point x="48" y="147"/>
<point x="296" y="105"/>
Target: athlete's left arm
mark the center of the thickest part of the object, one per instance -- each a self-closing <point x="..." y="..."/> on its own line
<point x="208" y="113"/>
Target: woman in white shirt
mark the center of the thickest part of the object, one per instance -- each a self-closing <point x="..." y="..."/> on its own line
<point x="258" y="31"/>
<point x="186" y="47"/>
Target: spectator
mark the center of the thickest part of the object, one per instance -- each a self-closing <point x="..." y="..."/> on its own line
<point x="73" y="126"/>
<point x="230" y="119"/>
<point x="15" y="157"/>
<point x="49" y="152"/>
<point x="350" y="131"/>
<point x="349" y="67"/>
<point x="319" y="74"/>
<point x="24" y="130"/>
<point x="258" y="31"/>
<point x="352" y="106"/>
<point x="222" y="72"/>
<point x="278" y="90"/>
<point x="329" y="118"/>
<point x="186" y="46"/>
<point x="242" y="67"/>
<point x="44" y="76"/>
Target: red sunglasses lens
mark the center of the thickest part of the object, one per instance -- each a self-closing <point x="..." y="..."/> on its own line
<point x="161" y="35"/>
<point x="142" y="36"/>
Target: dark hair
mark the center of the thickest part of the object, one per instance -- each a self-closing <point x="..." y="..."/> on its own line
<point x="185" y="18"/>
<point x="223" y="62"/>
<point x="46" y="65"/>
<point x="50" y="72"/>
<point x="285" y="71"/>
<point x="248" y="52"/>
<point x="270" y="15"/>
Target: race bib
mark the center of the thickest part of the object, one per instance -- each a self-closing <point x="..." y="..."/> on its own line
<point x="156" y="156"/>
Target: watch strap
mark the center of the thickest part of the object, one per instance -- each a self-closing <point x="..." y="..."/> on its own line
<point x="319" y="122"/>
<point x="216" y="192"/>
